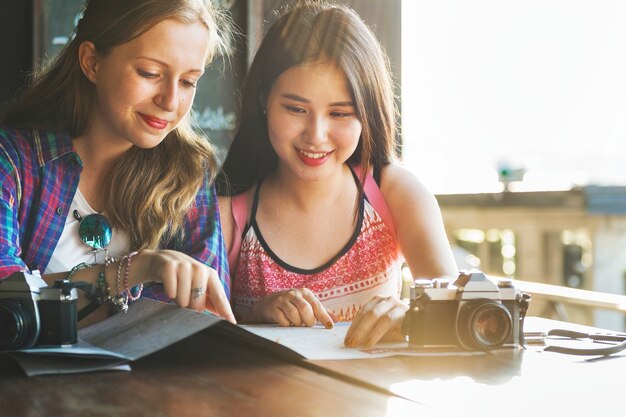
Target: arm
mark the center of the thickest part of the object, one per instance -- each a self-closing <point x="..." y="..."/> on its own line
<point x="419" y="225"/>
<point x="203" y="238"/>
<point x="204" y="242"/>
<point x="290" y="307"/>
<point x="193" y="260"/>
<point x="12" y="184"/>
<point x="424" y="244"/>
<point x="10" y="250"/>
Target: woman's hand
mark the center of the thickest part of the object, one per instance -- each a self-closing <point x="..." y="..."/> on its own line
<point x="185" y="280"/>
<point x="295" y="307"/>
<point x="380" y="317"/>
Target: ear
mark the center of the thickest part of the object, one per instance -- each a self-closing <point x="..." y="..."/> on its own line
<point x="88" y="60"/>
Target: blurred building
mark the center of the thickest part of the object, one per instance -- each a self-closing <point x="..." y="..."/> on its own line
<point x="575" y="238"/>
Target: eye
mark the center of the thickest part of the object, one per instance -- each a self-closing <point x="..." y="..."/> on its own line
<point x="147" y="74"/>
<point x="189" y="83"/>
<point x="294" y="109"/>
<point x="341" y="114"/>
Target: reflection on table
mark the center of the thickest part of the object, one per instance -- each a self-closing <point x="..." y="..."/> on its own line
<point x="206" y="375"/>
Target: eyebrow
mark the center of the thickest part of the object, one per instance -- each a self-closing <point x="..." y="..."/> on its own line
<point x="296" y="97"/>
<point x="165" y="64"/>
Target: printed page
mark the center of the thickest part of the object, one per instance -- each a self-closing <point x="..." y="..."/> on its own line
<point x="147" y="327"/>
<point x="319" y="343"/>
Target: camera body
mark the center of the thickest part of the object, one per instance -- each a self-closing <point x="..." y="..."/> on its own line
<point x="473" y="312"/>
<point x="32" y="313"/>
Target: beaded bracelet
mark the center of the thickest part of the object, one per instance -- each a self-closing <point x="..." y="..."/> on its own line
<point x="102" y="284"/>
<point x="75" y="269"/>
<point x="121" y="299"/>
<point x="96" y="294"/>
<point x="131" y="297"/>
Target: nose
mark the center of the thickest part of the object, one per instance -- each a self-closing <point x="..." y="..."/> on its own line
<point x="167" y="97"/>
<point x="317" y="130"/>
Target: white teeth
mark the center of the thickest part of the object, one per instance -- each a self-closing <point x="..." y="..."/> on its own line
<point x="313" y="155"/>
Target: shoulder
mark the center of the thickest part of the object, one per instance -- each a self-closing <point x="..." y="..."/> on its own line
<point x="234" y="212"/>
<point x="230" y="204"/>
<point x="16" y="150"/>
<point x="226" y="219"/>
<point x="17" y="140"/>
<point x="38" y="146"/>
<point x="225" y="207"/>
<point x="408" y="199"/>
<point x="397" y="182"/>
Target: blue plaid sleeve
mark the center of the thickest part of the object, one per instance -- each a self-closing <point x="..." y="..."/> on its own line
<point x="10" y="260"/>
<point x="203" y="235"/>
<point x="203" y="240"/>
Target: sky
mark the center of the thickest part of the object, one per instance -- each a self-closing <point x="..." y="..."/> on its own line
<point x="538" y="85"/>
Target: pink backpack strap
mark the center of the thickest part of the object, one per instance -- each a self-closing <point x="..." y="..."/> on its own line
<point x="376" y="199"/>
<point x="239" y="205"/>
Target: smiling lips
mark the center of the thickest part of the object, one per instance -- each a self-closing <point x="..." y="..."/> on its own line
<point x="154" y="122"/>
<point x="313" y="158"/>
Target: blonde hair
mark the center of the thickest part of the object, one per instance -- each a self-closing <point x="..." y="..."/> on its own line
<point x="148" y="190"/>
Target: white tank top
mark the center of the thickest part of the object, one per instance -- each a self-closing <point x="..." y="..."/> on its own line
<point x="71" y="250"/>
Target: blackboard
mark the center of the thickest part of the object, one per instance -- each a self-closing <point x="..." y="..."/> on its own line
<point x="216" y="97"/>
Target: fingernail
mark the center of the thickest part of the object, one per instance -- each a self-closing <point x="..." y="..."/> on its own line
<point x="329" y="324"/>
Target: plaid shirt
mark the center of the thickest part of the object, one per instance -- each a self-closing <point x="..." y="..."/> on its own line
<point x="39" y="173"/>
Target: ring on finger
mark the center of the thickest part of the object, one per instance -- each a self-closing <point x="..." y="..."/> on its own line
<point x="198" y="292"/>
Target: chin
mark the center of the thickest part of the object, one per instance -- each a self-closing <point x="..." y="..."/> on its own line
<point x="148" y="142"/>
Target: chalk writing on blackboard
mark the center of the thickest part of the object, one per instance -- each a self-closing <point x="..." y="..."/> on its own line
<point x="216" y="119"/>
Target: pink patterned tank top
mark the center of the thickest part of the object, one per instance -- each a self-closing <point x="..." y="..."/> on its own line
<point x="370" y="264"/>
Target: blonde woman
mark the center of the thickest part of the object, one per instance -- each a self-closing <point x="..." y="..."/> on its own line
<point x="101" y="173"/>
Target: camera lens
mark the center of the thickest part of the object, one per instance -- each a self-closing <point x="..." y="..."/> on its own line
<point x="17" y="325"/>
<point x="483" y="325"/>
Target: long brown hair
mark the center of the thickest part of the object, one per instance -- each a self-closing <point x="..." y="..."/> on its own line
<point x="149" y="190"/>
<point x="309" y="32"/>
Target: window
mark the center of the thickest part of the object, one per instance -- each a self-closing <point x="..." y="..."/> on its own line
<point x="523" y="96"/>
<point x="536" y="85"/>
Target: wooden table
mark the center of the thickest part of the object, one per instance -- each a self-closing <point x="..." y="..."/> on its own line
<point x="506" y="382"/>
<point x="205" y="375"/>
<point x="199" y="376"/>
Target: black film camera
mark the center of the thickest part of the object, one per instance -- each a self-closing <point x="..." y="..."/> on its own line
<point x="31" y="313"/>
<point x="473" y="312"/>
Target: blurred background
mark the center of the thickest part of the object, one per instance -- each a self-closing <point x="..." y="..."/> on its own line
<point x="512" y="113"/>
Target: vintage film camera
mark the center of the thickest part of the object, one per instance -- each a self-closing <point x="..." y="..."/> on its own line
<point x="473" y="312"/>
<point x="31" y="313"/>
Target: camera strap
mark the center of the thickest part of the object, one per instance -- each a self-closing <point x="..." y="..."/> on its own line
<point x="92" y="292"/>
<point x="597" y="337"/>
